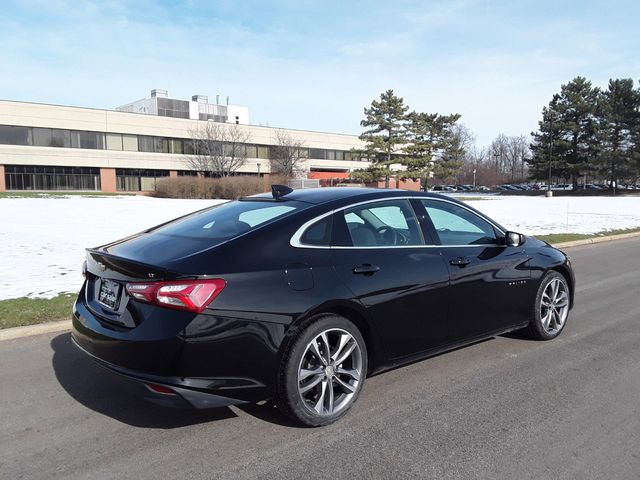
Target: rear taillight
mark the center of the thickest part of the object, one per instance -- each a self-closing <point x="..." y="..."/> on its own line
<point x="189" y="295"/>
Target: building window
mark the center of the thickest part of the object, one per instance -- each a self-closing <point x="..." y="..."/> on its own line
<point x="145" y="144"/>
<point x="92" y="140"/>
<point x="130" y="143"/>
<point x="176" y="146"/>
<point x="263" y="151"/>
<point x="252" y="151"/>
<point x="35" y="177"/>
<point x="317" y="153"/>
<point x="14" y="135"/>
<point x="128" y="179"/>
<point x="114" y="141"/>
<point x="161" y="145"/>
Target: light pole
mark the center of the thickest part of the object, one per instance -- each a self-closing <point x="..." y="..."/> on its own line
<point x="474" y="178"/>
<point x="496" y="156"/>
<point x="549" y="193"/>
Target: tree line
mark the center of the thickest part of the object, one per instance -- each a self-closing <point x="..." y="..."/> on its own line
<point x="588" y="131"/>
<point x="422" y="144"/>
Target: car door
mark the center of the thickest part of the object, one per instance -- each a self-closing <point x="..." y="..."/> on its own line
<point x="490" y="281"/>
<point x="379" y="253"/>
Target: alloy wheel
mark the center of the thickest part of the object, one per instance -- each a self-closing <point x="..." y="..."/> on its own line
<point x="554" y="306"/>
<point x="330" y="372"/>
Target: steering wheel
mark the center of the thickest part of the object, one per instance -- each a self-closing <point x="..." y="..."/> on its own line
<point x="388" y="234"/>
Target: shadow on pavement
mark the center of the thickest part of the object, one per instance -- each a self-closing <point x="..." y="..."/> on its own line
<point x="106" y="393"/>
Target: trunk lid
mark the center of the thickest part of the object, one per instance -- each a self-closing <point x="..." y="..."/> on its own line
<point x="105" y="290"/>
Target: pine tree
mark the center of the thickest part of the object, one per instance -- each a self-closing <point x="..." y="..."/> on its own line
<point x="567" y="133"/>
<point x="431" y="146"/>
<point x="385" y="120"/>
<point x="618" y="128"/>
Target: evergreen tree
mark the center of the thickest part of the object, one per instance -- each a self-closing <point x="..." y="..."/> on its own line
<point x="618" y="128"/>
<point x="432" y="145"/>
<point x="385" y="120"/>
<point x="567" y="133"/>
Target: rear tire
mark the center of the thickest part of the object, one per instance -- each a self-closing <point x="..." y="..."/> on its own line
<point x="551" y="308"/>
<point x="322" y="372"/>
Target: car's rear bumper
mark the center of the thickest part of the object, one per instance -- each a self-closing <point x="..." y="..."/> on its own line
<point x="180" y="392"/>
<point x="208" y="361"/>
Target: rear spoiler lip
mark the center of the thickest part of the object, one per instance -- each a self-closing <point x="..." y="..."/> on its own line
<point x="126" y="269"/>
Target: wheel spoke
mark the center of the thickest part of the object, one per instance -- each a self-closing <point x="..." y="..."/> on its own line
<point x="554" y="288"/>
<point x="348" y="388"/>
<point x="319" y="406"/>
<point x="346" y="353"/>
<point x="562" y="300"/>
<point x="312" y="384"/>
<point x="313" y="346"/>
<point x="344" y="339"/>
<point x="325" y="346"/>
<point x="330" y="396"/>
<point x="547" y="318"/>
<point x="351" y="372"/>
<point x="305" y="373"/>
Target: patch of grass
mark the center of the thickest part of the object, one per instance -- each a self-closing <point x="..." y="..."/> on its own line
<point x="469" y="199"/>
<point x="563" y="237"/>
<point x="17" y="312"/>
<point x="59" y="194"/>
<point x="569" y="237"/>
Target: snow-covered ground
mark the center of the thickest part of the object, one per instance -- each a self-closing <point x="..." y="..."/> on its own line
<point x="42" y="240"/>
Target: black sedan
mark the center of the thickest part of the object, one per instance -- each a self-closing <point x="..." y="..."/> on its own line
<point x="298" y="296"/>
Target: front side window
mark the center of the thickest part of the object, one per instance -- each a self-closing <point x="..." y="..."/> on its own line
<point x="383" y="224"/>
<point x="455" y="225"/>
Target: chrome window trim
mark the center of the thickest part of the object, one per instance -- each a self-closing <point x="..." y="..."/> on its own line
<point x="296" y="243"/>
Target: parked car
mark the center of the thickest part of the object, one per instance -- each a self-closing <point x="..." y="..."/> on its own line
<point x="301" y="295"/>
<point x="562" y="186"/>
<point x="482" y="188"/>
<point x="443" y="188"/>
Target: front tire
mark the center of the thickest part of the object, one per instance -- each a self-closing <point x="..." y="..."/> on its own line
<point x="323" y="371"/>
<point x="551" y="308"/>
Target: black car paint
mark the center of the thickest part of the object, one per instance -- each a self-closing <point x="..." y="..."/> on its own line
<point x="416" y="305"/>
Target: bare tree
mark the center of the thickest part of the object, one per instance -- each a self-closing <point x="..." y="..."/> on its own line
<point x="517" y="154"/>
<point x="218" y="149"/>
<point x="287" y="155"/>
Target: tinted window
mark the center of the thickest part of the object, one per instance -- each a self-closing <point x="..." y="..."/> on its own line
<point x="14" y="135"/>
<point x="229" y="219"/>
<point x="388" y="223"/>
<point x="318" y="234"/>
<point x="455" y="225"/>
<point x="93" y="140"/>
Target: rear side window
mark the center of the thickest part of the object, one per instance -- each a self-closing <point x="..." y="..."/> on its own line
<point x="229" y="220"/>
<point x="318" y="234"/>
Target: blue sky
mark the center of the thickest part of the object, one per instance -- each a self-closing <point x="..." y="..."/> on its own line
<point x="316" y="65"/>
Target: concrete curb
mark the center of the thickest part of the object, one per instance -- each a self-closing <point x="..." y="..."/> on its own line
<point x="50" y="327"/>
<point x="589" y="241"/>
<point x="29" y="330"/>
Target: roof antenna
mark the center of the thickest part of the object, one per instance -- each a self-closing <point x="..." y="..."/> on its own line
<point x="280" y="191"/>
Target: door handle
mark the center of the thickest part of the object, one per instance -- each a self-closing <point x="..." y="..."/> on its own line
<point x="366" y="269"/>
<point x="460" y="262"/>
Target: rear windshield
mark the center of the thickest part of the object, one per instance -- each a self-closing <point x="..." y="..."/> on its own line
<point x="229" y="220"/>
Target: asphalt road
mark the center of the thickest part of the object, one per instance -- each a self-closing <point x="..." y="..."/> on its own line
<point x="503" y="408"/>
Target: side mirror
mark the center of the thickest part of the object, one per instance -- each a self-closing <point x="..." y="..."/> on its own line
<point x="513" y="239"/>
